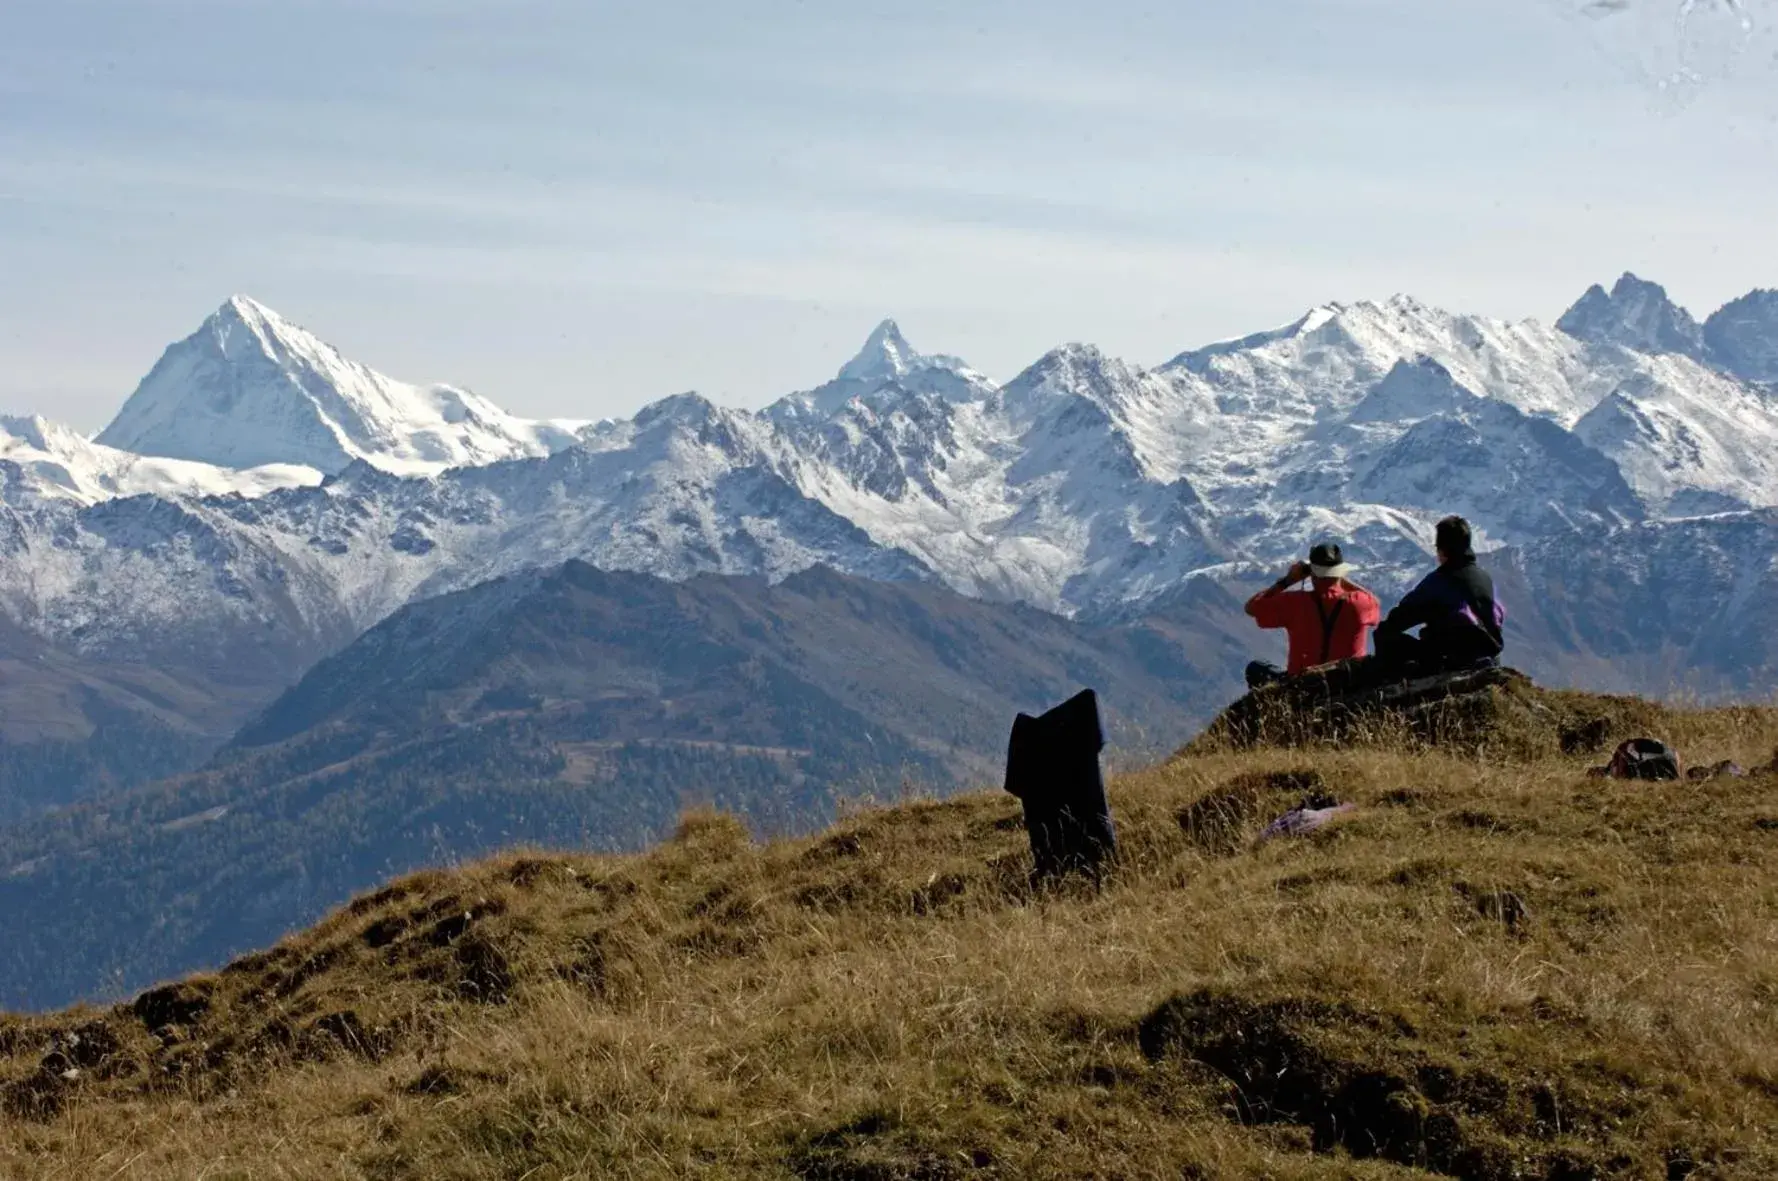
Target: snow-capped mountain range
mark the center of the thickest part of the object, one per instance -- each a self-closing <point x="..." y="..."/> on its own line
<point x="258" y="484"/>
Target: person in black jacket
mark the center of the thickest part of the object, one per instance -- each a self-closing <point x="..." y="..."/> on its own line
<point x="1454" y="607"/>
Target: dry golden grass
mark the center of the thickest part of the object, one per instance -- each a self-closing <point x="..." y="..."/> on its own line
<point x="1532" y="972"/>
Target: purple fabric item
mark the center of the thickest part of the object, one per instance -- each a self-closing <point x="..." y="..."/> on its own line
<point x="1298" y="821"/>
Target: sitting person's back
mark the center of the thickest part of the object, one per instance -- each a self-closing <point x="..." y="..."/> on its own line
<point x="1326" y="623"/>
<point x="1454" y="607"/>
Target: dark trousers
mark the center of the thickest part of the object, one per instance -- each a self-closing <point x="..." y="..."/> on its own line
<point x="1446" y="650"/>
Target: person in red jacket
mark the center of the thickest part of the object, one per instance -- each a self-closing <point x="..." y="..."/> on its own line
<point x="1326" y="623"/>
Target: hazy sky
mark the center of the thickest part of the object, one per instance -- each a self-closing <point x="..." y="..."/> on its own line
<point x="579" y="207"/>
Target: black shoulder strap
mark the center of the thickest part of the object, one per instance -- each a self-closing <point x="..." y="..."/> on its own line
<point x="1327" y="625"/>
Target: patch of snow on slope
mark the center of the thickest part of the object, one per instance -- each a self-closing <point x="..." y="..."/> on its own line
<point x="55" y="462"/>
<point x="1688" y="439"/>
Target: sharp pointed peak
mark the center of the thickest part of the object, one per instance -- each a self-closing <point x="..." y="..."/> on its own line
<point x="245" y="307"/>
<point x="242" y="322"/>
<point x="886" y="354"/>
<point x="886" y="331"/>
<point x="259" y="318"/>
<point x="242" y="313"/>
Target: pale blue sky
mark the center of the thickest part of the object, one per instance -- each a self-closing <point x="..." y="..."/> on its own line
<point x="579" y="207"/>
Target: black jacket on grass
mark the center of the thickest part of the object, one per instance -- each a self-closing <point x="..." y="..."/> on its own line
<point x="1052" y="766"/>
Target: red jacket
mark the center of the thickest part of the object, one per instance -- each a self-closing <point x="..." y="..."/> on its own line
<point x="1324" y="624"/>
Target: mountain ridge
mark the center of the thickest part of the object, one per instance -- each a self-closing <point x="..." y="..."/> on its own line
<point x="1085" y="485"/>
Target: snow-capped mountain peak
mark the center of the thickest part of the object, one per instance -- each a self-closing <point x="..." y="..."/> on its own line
<point x="246" y="331"/>
<point x="244" y="313"/>
<point x="1072" y="370"/>
<point x="886" y="359"/>
<point x="886" y="355"/>
<point x="250" y="387"/>
<point x="1635" y="314"/>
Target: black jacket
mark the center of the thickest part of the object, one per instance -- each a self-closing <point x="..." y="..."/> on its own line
<point x="1457" y="597"/>
<point x="1052" y="765"/>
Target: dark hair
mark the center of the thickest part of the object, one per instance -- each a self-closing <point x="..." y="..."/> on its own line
<point x="1455" y="539"/>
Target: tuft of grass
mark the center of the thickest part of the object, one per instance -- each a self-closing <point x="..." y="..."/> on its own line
<point x="1491" y="968"/>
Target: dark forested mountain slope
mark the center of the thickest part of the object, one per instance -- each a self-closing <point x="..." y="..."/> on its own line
<point x="576" y="707"/>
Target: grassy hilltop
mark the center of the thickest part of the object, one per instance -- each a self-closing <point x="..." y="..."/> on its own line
<point x="1491" y="969"/>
